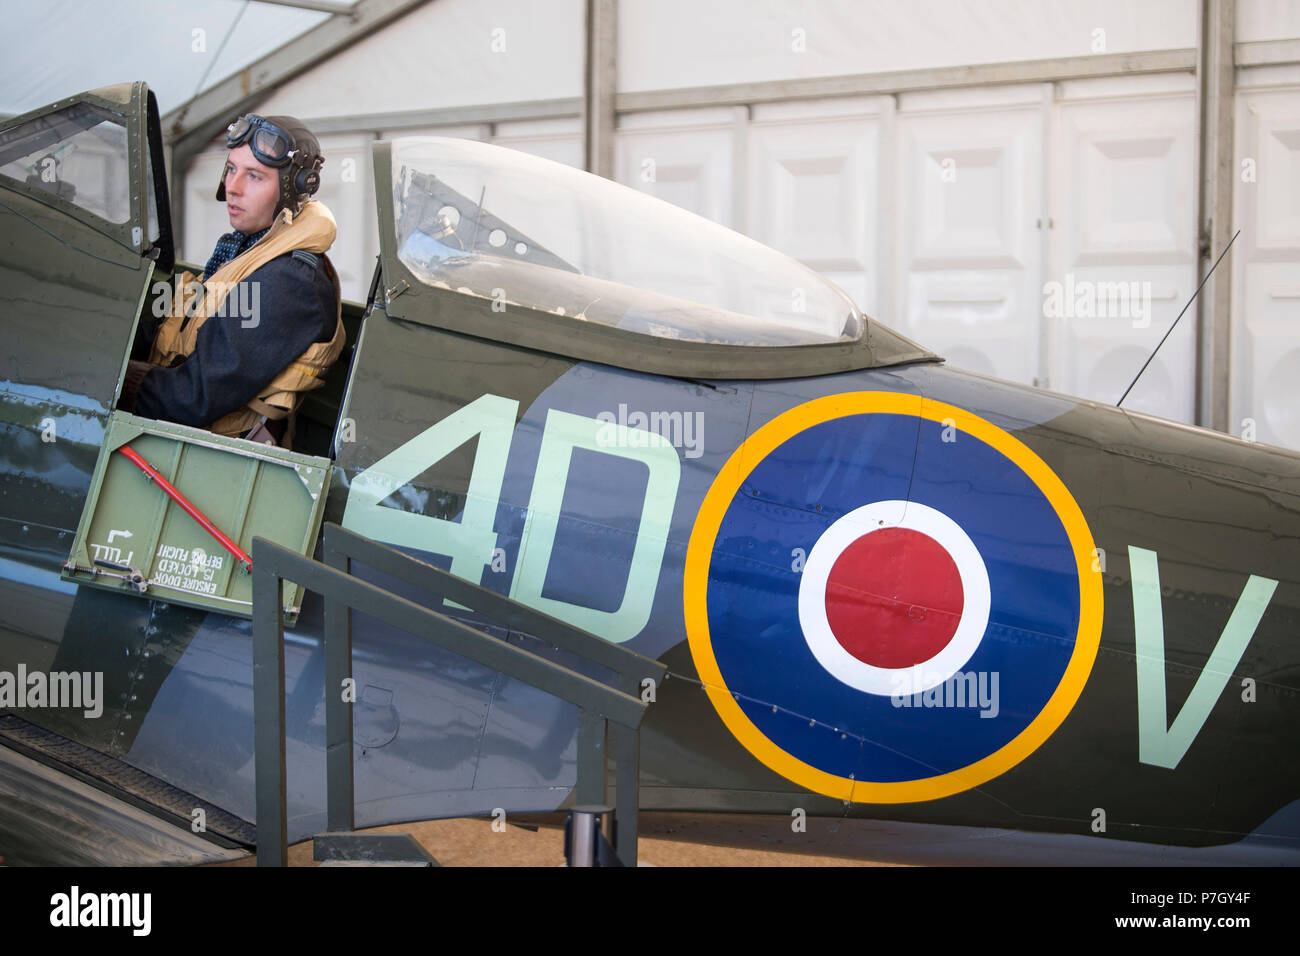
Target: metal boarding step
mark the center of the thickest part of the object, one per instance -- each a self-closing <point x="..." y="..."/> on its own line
<point x="604" y="711"/>
<point x="370" y="849"/>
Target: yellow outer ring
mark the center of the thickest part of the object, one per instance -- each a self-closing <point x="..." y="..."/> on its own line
<point x="699" y="554"/>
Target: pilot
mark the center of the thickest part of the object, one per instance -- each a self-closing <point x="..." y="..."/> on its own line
<point x="240" y="346"/>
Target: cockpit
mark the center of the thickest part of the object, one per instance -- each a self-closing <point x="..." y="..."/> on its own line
<point x="524" y="231"/>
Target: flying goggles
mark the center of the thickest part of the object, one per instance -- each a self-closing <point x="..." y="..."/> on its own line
<point x="270" y="144"/>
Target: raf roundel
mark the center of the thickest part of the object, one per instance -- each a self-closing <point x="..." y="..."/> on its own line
<point x="849" y="608"/>
<point x="943" y="623"/>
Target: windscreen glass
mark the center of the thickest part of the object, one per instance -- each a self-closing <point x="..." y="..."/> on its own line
<point x="519" y="230"/>
<point x="78" y="154"/>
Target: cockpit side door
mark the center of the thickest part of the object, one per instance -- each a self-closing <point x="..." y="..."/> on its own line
<point x="83" y="224"/>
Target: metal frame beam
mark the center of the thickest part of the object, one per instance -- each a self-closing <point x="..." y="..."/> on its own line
<point x="1266" y="52"/>
<point x="1215" y="89"/>
<point x="600" y="78"/>
<point x="204" y="115"/>
<point x="447" y="116"/>
<point x="322" y="6"/>
<point x="908" y="81"/>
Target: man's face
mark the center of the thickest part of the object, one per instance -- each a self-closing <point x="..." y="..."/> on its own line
<point x="252" y="191"/>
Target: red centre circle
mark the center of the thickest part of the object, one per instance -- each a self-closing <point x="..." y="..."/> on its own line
<point x="894" y="598"/>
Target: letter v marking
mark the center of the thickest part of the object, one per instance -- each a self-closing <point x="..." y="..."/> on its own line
<point x="1158" y="745"/>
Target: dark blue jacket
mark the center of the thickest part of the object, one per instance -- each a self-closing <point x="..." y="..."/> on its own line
<point x="235" y="355"/>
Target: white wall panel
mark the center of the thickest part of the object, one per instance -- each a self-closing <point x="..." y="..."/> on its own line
<point x="1266" y="281"/>
<point x="1267" y="20"/>
<point x="968" y="248"/>
<point x="684" y="159"/>
<point x="348" y="189"/>
<point x="812" y="192"/>
<point x="1122" y="252"/>
<point x="559" y="140"/>
<point x="670" y="44"/>
<point x="205" y="218"/>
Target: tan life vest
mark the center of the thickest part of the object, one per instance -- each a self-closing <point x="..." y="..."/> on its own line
<point x="312" y="230"/>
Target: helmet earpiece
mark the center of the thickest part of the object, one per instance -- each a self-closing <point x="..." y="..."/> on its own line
<point x="306" y="182"/>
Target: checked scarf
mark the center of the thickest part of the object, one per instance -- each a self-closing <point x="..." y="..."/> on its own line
<point x="229" y="246"/>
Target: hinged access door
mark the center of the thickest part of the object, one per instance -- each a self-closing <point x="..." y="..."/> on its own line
<point x="134" y="537"/>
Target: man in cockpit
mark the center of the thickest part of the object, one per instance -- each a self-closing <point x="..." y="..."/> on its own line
<point x="238" y="348"/>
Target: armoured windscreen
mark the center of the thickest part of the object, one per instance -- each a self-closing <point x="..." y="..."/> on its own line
<point x="503" y="225"/>
<point x="78" y="154"/>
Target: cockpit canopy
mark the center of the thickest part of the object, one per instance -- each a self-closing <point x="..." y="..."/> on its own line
<point x="503" y="225"/>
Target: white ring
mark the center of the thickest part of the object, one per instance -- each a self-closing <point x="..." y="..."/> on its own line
<point x="894" y="681"/>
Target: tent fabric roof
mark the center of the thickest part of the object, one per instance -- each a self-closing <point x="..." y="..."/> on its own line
<point x="61" y="47"/>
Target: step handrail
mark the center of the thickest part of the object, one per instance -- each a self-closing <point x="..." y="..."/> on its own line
<point x="341" y="544"/>
<point x="598" y="704"/>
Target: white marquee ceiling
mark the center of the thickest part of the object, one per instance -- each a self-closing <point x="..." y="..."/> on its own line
<point x="57" y="48"/>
